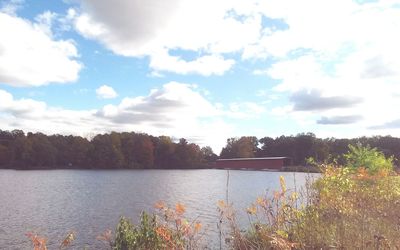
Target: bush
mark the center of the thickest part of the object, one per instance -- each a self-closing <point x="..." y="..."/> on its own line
<point x="368" y="158"/>
<point x="351" y="210"/>
<point x="350" y="207"/>
<point x="170" y="230"/>
<point x="143" y="236"/>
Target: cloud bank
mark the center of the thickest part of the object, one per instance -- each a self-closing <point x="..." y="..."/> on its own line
<point x="175" y="109"/>
<point x="30" y="56"/>
<point x="153" y="28"/>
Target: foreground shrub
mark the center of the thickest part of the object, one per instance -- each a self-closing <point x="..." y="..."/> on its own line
<point x="352" y="211"/>
<point x="271" y="219"/>
<point x="143" y="236"/>
<point x="369" y="158"/>
<point x="346" y="208"/>
<point x="40" y="243"/>
<point x="167" y="230"/>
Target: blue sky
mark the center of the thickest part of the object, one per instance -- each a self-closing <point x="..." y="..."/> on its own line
<point x="203" y="70"/>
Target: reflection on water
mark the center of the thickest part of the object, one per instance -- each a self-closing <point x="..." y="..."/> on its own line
<point x="54" y="202"/>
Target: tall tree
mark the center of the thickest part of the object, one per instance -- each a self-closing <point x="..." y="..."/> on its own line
<point x="164" y="152"/>
<point x="106" y="151"/>
<point x="243" y="147"/>
<point x="143" y="150"/>
<point x="207" y="155"/>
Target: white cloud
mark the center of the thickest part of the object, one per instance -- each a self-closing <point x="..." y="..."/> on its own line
<point x="204" y="65"/>
<point x="173" y="105"/>
<point x="339" y="91"/>
<point x="44" y="22"/>
<point x="243" y="110"/>
<point x="106" y="92"/>
<point x="260" y="72"/>
<point x="315" y="93"/>
<point x="29" y="56"/>
<point x="312" y="24"/>
<point x="326" y="28"/>
<point x="297" y="74"/>
<point x="135" y="28"/>
<point x="32" y="115"/>
<point x="10" y="6"/>
<point x="175" y="109"/>
<point x="334" y="60"/>
<point x="216" y="29"/>
<point x="154" y="28"/>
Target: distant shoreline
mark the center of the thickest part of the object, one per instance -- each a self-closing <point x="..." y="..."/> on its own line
<point x="300" y="169"/>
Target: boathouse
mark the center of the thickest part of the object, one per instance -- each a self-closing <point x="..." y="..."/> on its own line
<point x="267" y="163"/>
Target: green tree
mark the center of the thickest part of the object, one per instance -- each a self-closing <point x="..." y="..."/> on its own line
<point x="106" y="151"/>
<point x="5" y="156"/>
<point x="304" y="145"/>
<point x="42" y="153"/>
<point x="208" y="155"/>
<point x="243" y="147"/>
<point x="367" y="157"/>
<point x="187" y="155"/>
<point x="164" y="152"/>
<point x="143" y="150"/>
<point x="320" y="150"/>
<point x="127" y="149"/>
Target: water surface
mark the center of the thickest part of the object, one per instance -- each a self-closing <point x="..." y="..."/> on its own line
<point x="53" y="202"/>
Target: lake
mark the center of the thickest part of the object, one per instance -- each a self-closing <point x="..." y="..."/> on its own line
<point x="54" y="202"/>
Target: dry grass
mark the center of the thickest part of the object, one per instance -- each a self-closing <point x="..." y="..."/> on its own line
<point x="343" y="209"/>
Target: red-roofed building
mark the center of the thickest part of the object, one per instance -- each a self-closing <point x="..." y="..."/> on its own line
<point x="274" y="163"/>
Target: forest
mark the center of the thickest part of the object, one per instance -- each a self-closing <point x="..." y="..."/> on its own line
<point x="302" y="146"/>
<point x="130" y="150"/>
<point x="103" y="151"/>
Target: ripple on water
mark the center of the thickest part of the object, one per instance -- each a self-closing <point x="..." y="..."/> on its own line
<point x="54" y="202"/>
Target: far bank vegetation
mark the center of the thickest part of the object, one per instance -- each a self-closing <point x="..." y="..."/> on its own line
<point x="130" y="150"/>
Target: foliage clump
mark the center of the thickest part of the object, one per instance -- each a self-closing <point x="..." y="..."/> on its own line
<point x="354" y="206"/>
<point x="40" y="242"/>
<point x="369" y="158"/>
<point x="143" y="236"/>
<point x="169" y="230"/>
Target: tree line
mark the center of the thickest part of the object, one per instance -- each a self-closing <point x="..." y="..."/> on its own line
<point x="130" y="150"/>
<point x="104" y="151"/>
<point x="305" y="145"/>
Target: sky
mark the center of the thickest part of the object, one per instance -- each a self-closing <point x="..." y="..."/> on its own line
<point x="202" y="70"/>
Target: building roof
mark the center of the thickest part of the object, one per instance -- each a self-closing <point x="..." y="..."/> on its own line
<point x="253" y="159"/>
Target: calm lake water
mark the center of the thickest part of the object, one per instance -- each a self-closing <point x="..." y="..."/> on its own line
<point x="54" y="202"/>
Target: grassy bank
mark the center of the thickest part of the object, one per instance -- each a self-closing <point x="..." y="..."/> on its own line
<point x="354" y="206"/>
<point x="349" y="207"/>
<point x="344" y="209"/>
<point x="303" y="169"/>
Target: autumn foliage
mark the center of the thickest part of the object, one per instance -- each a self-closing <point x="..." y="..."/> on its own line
<point x="40" y="243"/>
<point x="166" y="229"/>
<point x="104" y="151"/>
<point x="347" y="207"/>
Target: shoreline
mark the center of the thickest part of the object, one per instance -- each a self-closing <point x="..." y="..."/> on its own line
<point x="299" y="169"/>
